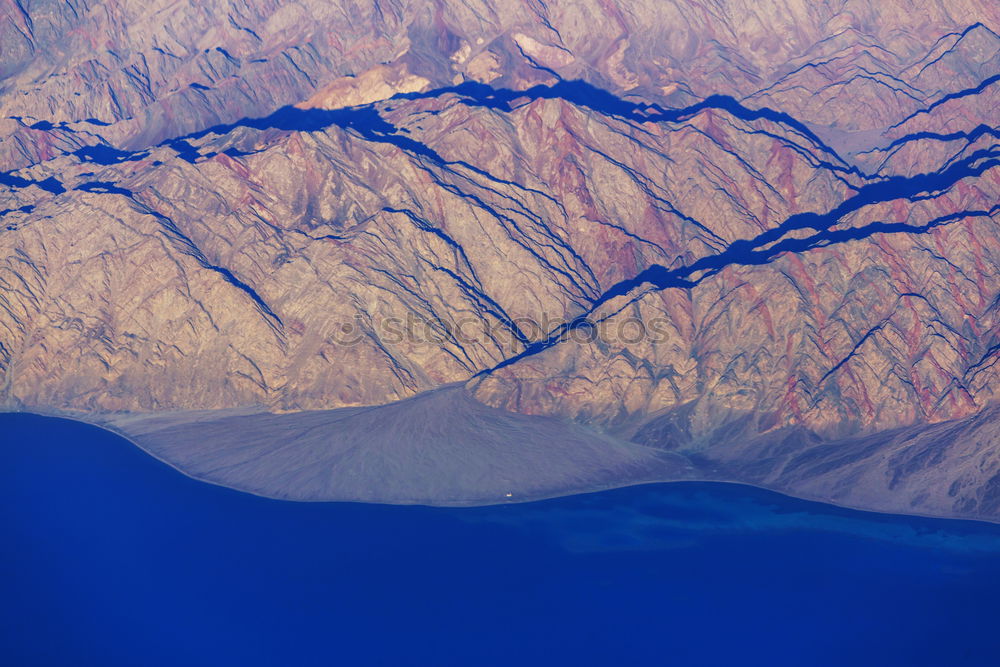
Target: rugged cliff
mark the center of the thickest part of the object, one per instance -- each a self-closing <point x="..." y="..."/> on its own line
<point x="748" y="241"/>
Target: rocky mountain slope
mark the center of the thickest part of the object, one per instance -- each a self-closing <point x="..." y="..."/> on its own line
<point x="647" y="240"/>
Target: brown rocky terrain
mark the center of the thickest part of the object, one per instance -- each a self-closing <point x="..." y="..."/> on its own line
<point x="439" y="252"/>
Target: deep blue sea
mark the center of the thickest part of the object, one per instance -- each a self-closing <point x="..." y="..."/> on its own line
<point x="110" y="558"/>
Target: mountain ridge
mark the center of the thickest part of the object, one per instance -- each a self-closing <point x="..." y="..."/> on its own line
<point x="804" y="231"/>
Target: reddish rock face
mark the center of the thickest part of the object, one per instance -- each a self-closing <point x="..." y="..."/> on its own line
<point x="769" y="215"/>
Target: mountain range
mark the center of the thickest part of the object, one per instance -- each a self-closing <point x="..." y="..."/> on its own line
<point x="468" y="252"/>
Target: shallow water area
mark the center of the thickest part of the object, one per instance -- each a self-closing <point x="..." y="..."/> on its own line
<point x="112" y="558"/>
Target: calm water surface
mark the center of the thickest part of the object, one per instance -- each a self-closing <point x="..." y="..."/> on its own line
<point x="108" y="557"/>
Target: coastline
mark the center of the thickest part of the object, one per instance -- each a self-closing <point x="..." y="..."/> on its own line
<point x="105" y="426"/>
